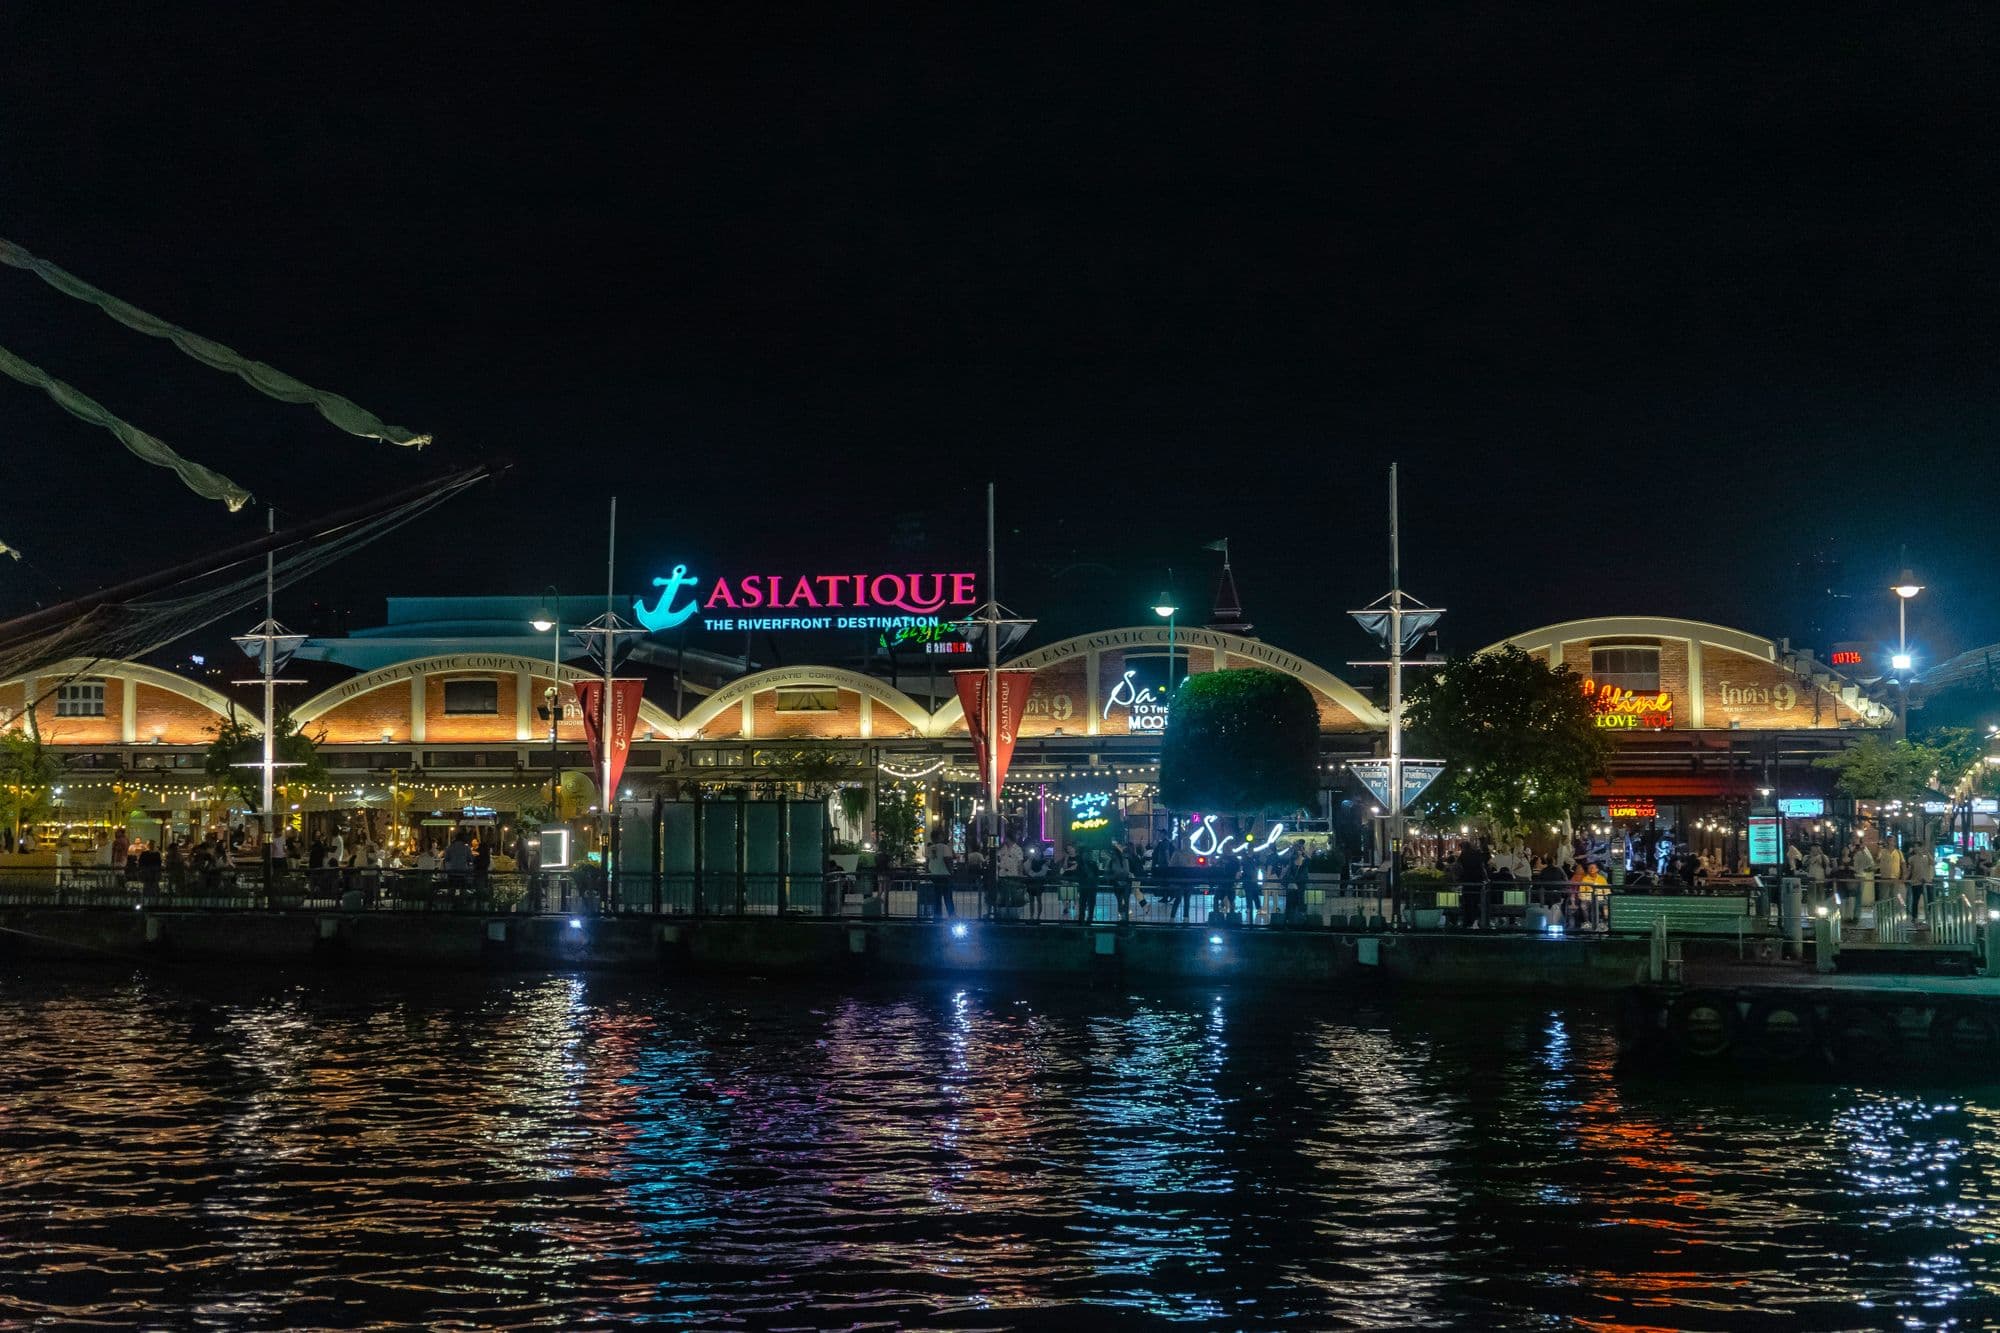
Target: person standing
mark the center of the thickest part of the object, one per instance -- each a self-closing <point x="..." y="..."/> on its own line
<point x="938" y="864"/>
<point x="1086" y="887"/>
<point x="1921" y="866"/>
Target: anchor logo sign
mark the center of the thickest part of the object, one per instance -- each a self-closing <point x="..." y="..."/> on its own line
<point x="663" y="614"/>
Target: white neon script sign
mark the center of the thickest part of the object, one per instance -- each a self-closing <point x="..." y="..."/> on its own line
<point x="1219" y="845"/>
<point x="1144" y="711"/>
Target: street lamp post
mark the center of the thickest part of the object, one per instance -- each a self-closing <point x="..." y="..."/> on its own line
<point x="1163" y="607"/>
<point x="549" y="621"/>
<point x="1905" y="588"/>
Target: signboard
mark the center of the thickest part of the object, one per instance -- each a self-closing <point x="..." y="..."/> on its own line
<point x="1981" y="805"/>
<point x="937" y="638"/>
<point x="1639" y="807"/>
<point x="1374" y="775"/>
<point x="1418" y="775"/>
<point x="1145" y="708"/>
<point x="1618" y="709"/>
<point x="761" y="602"/>
<point x="1848" y="655"/>
<point x="1766" y="841"/>
<point x="1090" y="818"/>
<point x="1801" y="807"/>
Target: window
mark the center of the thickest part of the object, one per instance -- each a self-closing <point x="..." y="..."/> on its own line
<point x="479" y="698"/>
<point x="80" y="698"/>
<point x="808" y="699"/>
<point x="1634" y="669"/>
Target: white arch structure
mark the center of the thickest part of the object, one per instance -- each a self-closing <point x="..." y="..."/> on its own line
<point x="737" y="693"/>
<point x="417" y="670"/>
<point x="14" y="693"/>
<point x="1088" y="647"/>
<point x="1549" y="640"/>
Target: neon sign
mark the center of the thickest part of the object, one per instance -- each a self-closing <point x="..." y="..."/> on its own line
<point x="858" y="600"/>
<point x="1622" y="710"/>
<point x="1642" y="808"/>
<point x="1204" y="842"/>
<point x="934" y="638"/>
<point x="1845" y="657"/>
<point x="1144" y="710"/>
<point x="1090" y="812"/>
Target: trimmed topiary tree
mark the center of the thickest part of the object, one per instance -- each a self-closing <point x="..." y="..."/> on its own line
<point x="1241" y="742"/>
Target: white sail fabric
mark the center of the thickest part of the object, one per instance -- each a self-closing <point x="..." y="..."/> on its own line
<point x="347" y="415"/>
<point x="202" y="481"/>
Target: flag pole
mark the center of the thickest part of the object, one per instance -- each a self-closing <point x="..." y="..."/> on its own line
<point x="608" y="802"/>
<point x="270" y="684"/>
<point x="1395" y="700"/>
<point x="992" y="700"/>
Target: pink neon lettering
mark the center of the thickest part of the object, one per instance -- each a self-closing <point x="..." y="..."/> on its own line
<point x="720" y="596"/>
<point x="962" y="593"/>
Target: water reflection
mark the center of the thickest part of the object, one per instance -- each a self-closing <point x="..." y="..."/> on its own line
<point x="558" y="1151"/>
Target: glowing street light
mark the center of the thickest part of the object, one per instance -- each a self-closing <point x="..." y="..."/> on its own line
<point x="1164" y="608"/>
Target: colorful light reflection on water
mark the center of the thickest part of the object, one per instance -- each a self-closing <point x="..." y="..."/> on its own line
<point x="560" y="1151"/>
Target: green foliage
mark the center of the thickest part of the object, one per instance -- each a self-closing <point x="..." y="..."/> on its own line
<point x="853" y="805"/>
<point x="29" y="772"/>
<point x="237" y="744"/>
<point x="1519" y="739"/>
<point x="897" y="821"/>
<point x="1242" y="742"/>
<point x="1877" y="769"/>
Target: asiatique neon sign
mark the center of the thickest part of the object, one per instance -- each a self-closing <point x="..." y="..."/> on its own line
<point x="806" y="601"/>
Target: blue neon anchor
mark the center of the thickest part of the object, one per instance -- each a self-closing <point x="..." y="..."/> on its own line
<point x="663" y="615"/>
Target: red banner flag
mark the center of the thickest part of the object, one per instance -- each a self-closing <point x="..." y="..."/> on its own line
<point x="625" y="695"/>
<point x="1013" y="689"/>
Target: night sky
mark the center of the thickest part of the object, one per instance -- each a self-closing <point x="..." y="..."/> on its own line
<point x="1649" y="304"/>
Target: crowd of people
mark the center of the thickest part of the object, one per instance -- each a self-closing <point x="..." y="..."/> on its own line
<point x="1027" y="874"/>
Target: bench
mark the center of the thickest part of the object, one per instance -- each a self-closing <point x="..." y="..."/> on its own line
<point x="1635" y="913"/>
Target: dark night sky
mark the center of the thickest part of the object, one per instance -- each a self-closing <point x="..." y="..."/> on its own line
<point x="1646" y="303"/>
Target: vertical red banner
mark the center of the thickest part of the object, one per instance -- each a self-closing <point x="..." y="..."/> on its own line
<point x="625" y="696"/>
<point x="1012" y="688"/>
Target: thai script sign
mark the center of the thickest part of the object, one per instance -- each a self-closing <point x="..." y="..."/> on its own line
<point x="888" y="601"/>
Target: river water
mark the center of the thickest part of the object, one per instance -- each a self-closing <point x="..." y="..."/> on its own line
<point x="194" y="1150"/>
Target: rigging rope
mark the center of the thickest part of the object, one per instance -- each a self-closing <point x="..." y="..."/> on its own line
<point x="343" y="413"/>
<point x="202" y="481"/>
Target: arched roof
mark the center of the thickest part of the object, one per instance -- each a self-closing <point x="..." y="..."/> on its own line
<point x="1643" y="627"/>
<point x="171" y="682"/>
<point x="736" y="691"/>
<point x="952" y="714"/>
<point x="453" y="664"/>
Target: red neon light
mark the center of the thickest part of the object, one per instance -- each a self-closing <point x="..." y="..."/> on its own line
<point x="1845" y="657"/>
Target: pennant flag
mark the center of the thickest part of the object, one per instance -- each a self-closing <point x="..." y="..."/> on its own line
<point x="625" y="696"/>
<point x="1374" y="775"/>
<point x="1418" y="775"/>
<point x="1013" y="689"/>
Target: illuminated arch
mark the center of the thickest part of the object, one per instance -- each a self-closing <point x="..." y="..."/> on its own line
<point x="1552" y="637"/>
<point x="1078" y="647"/>
<point x="452" y="664"/>
<point x="139" y="673"/>
<point x="1548" y="641"/>
<point x="736" y="691"/>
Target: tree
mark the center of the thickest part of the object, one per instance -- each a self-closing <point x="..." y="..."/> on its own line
<point x="1519" y="738"/>
<point x="899" y="822"/>
<point x="1875" y="769"/>
<point x="237" y="749"/>
<point x="1243" y="742"/>
<point x="29" y="772"/>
